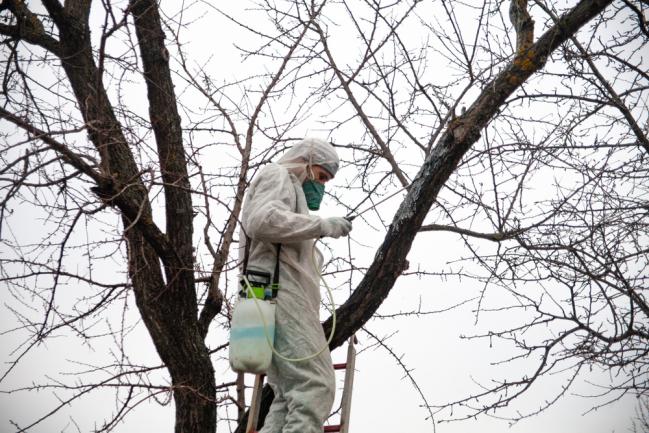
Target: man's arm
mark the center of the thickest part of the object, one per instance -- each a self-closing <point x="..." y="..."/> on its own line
<point x="270" y="213"/>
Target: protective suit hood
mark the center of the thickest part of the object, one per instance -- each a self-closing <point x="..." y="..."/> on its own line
<point x="310" y="151"/>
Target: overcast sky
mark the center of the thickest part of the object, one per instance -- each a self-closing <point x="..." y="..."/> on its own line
<point x="444" y="365"/>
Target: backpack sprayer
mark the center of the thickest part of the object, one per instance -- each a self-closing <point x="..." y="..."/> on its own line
<point x="252" y="331"/>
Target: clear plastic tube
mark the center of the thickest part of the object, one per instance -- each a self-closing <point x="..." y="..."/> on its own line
<point x="332" y="310"/>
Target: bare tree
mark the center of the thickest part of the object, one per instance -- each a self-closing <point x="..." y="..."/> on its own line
<point x="518" y="127"/>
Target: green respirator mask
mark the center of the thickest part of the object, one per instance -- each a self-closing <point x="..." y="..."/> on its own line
<point x="313" y="192"/>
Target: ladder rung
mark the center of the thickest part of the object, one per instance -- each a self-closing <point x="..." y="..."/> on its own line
<point x="341" y="366"/>
<point x="331" y="428"/>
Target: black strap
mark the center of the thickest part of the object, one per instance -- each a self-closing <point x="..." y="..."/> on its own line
<point x="276" y="273"/>
<point x="246" y="254"/>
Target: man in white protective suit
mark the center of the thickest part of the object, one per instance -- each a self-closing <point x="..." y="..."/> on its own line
<point x="276" y="211"/>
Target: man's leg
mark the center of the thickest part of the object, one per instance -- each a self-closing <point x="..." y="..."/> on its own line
<point x="309" y="394"/>
<point x="275" y="419"/>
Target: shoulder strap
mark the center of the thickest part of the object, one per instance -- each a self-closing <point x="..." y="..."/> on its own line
<point x="246" y="256"/>
<point x="276" y="273"/>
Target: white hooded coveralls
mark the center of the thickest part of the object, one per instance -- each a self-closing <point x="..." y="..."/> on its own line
<point x="275" y="212"/>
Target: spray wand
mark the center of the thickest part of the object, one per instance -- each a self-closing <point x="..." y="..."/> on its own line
<point x="353" y="214"/>
<point x="350" y="217"/>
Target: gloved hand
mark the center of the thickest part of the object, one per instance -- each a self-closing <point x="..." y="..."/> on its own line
<point x="336" y="227"/>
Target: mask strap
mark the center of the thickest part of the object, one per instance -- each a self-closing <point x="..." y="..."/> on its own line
<point x="309" y="167"/>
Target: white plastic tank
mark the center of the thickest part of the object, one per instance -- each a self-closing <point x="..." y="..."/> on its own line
<point x="252" y="325"/>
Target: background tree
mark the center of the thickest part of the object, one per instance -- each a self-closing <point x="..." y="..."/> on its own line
<point x="528" y="146"/>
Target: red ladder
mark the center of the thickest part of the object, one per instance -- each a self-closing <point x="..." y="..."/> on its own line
<point x="345" y="404"/>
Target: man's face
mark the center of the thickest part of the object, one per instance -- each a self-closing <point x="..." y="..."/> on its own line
<point x="319" y="174"/>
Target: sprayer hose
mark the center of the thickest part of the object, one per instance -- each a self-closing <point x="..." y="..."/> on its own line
<point x="263" y="320"/>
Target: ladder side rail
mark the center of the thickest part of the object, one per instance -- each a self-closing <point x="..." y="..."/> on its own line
<point x="346" y="403"/>
<point x="255" y="404"/>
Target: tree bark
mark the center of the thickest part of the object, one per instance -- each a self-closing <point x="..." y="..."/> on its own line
<point x="180" y="342"/>
<point x="459" y="136"/>
<point x="167" y="305"/>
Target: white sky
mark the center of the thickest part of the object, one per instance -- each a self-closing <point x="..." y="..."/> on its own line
<point x="444" y="365"/>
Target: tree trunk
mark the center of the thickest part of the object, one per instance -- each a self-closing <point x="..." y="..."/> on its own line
<point x="168" y="308"/>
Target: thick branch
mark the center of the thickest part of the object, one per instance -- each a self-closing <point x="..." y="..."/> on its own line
<point x="173" y="324"/>
<point x="28" y="28"/>
<point x="109" y="189"/>
<point x="79" y="9"/>
<point x="495" y="237"/>
<point x="165" y="122"/>
<point x="55" y="10"/>
<point x="461" y="134"/>
<point x="523" y="24"/>
<point x="70" y="157"/>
